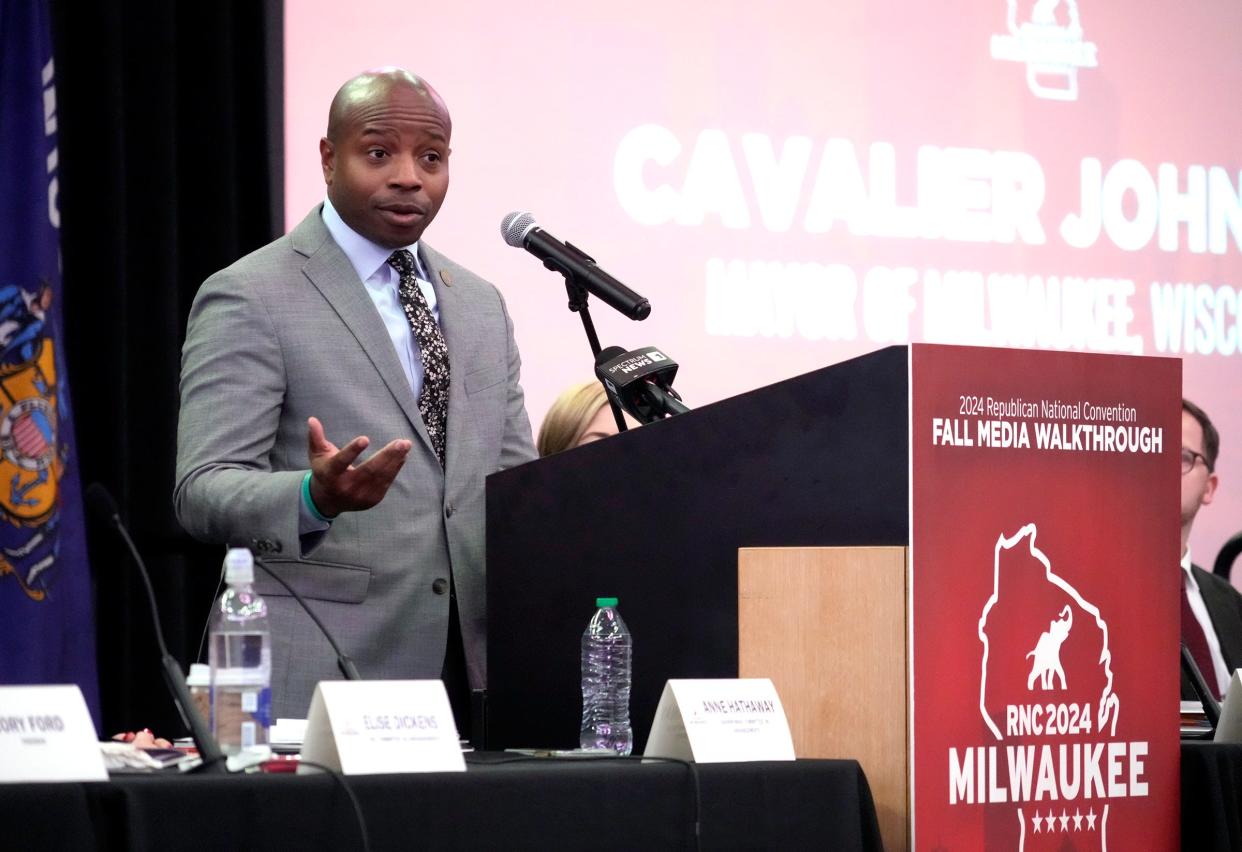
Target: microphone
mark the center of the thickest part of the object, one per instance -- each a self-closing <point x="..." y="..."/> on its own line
<point x="104" y="507"/>
<point x="640" y="381"/>
<point x="1207" y="695"/>
<point x="269" y="546"/>
<point x="520" y="231"/>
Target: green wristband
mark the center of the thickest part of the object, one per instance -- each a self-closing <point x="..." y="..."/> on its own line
<point x="309" y="501"/>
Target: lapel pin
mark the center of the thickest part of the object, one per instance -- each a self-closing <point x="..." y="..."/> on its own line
<point x="446" y="278"/>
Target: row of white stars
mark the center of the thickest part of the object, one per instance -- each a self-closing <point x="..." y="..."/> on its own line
<point x="1064" y="819"/>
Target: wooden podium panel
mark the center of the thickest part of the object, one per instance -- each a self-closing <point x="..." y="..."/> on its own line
<point x="828" y="626"/>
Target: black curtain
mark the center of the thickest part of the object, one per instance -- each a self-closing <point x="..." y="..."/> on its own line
<point x="169" y="144"/>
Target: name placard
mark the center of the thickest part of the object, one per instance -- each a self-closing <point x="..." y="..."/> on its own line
<point x="366" y="727"/>
<point x="46" y="734"/>
<point x="1229" y="728"/>
<point x="720" y="721"/>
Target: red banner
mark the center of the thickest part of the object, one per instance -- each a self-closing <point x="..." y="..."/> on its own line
<point x="1044" y="601"/>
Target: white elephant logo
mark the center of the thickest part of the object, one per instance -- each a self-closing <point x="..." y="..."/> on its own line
<point x="1047" y="652"/>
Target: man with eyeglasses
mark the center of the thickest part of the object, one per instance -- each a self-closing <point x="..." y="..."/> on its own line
<point x="1211" y="606"/>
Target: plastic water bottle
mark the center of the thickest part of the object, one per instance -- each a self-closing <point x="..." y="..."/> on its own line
<point x="240" y="656"/>
<point x="606" y="650"/>
<point x="199" y="684"/>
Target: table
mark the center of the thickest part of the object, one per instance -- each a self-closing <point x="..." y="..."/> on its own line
<point x="1211" y="797"/>
<point x="500" y="802"/>
<point x="526" y="804"/>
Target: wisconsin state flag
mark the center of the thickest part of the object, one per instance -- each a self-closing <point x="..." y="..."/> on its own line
<point x="47" y="632"/>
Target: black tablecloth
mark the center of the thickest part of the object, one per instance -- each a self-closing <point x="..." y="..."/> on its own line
<point x="1211" y="797"/>
<point x="499" y="803"/>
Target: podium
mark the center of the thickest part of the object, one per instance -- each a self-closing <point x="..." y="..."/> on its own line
<point x="655" y="517"/>
<point x="1006" y="496"/>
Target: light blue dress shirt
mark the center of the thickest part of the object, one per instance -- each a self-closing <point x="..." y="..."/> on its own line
<point x="370" y="261"/>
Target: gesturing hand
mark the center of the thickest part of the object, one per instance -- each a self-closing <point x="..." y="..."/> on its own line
<point x="336" y="484"/>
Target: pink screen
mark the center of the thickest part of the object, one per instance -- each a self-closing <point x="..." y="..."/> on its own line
<point x="797" y="183"/>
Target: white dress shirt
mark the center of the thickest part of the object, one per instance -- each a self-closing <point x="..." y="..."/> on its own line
<point x="1199" y="608"/>
<point x="370" y="261"/>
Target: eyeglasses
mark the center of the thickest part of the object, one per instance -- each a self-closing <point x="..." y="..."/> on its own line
<point x="1189" y="458"/>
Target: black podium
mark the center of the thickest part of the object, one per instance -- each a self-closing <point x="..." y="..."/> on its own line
<point x="655" y="517"/>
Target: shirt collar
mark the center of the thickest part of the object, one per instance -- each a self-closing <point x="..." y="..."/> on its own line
<point x="1188" y="575"/>
<point x="366" y="257"/>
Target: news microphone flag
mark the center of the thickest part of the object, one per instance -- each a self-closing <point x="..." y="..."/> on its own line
<point x="47" y="630"/>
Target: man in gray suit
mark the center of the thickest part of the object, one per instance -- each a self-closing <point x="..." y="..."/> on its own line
<point x="346" y="329"/>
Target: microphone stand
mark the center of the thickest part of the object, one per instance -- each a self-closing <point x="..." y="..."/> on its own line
<point x="578" y="304"/>
<point x="1211" y="708"/>
<point x="343" y="661"/>
<point x="208" y="749"/>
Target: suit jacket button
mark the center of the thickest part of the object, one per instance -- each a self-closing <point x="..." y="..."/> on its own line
<point x="439" y="585"/>
<point x="448" y="510"/>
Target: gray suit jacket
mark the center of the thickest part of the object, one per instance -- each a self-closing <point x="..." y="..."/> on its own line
<point x="288" y="332"/>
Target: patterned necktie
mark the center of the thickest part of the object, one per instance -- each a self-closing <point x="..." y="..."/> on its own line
<point x="433" y="399"/>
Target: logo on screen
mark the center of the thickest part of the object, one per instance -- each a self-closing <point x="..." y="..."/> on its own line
<point x="1047" y="36"/>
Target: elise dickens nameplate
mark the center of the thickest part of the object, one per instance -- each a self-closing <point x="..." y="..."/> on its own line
<point x="366" y="727"/>
<point x="719" y="721"/>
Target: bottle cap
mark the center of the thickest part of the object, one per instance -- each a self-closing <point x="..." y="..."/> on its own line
<point x="602" y="602"/>
<point x="200" y="675"/>
<point x="238" y="566"/>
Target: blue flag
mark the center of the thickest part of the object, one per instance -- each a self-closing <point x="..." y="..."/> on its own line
<point x="47" y="626"/>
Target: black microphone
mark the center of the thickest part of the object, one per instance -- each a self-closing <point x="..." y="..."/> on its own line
<point x="104" y="508"/>
<point x="640" y="381"/>
<point x="520" y="231"/>
<point x="269" y="546"/>
<point x="1207" y="695"/>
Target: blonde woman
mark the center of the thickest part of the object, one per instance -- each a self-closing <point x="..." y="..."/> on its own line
<point x="580" y="415"/>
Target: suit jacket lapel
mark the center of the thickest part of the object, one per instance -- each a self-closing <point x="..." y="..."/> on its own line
<point x="460" y="336"/>
<point x="1224" y="617"/>
<point x="330" y="271"/>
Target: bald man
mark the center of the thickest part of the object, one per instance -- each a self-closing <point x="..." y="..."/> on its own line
<point x="351" y="333"/>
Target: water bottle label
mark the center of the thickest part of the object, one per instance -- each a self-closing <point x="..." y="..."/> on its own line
<point x="263" y="707"/>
